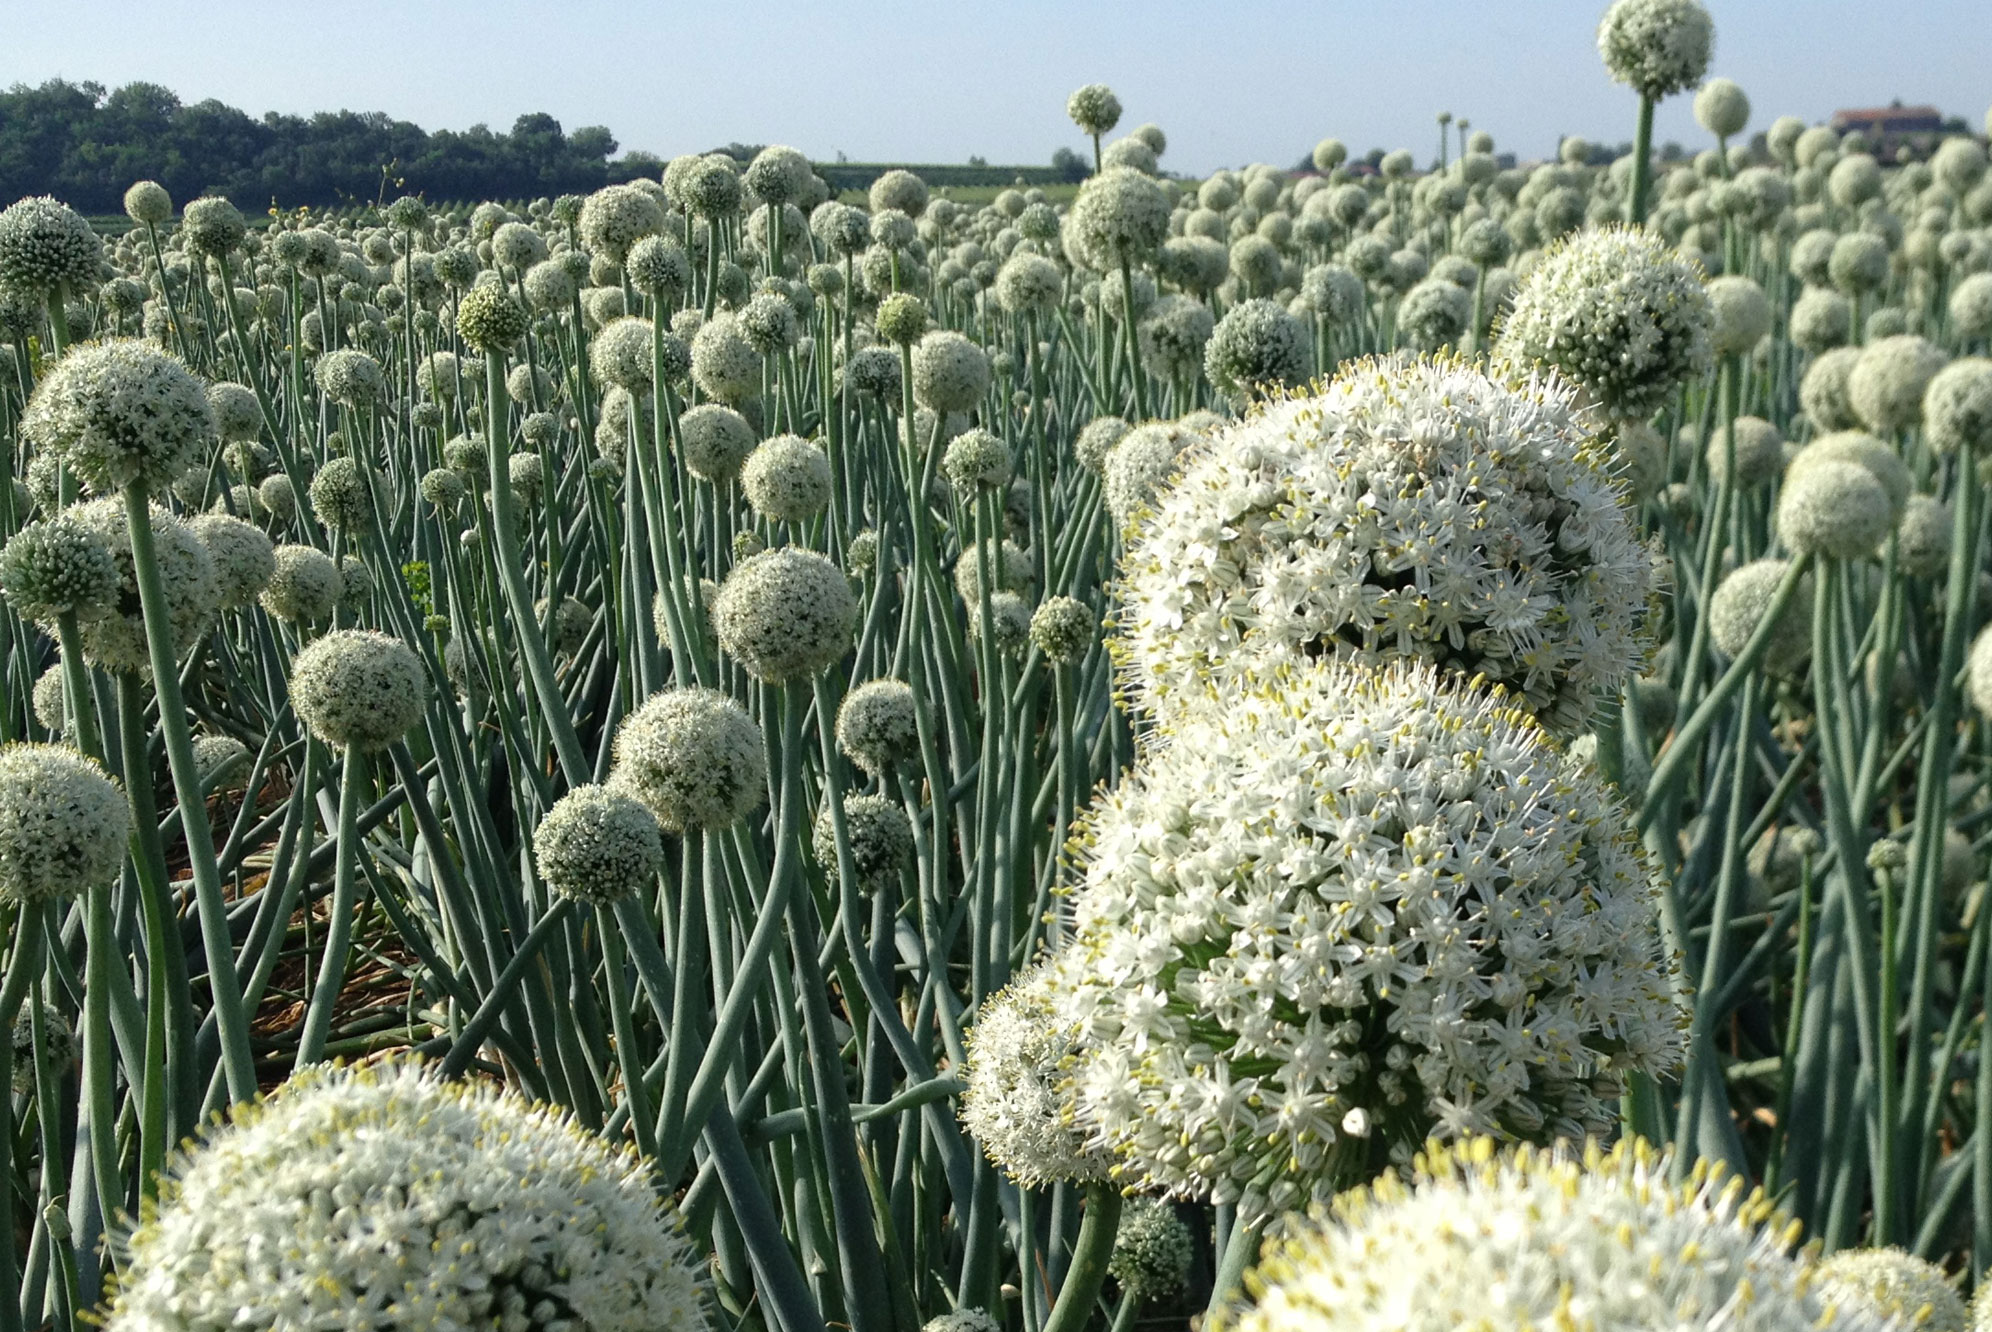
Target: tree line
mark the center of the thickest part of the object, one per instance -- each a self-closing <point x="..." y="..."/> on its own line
<point x="85" y="145"/>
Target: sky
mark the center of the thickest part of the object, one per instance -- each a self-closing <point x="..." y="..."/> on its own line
<point x="1230" y="81"/>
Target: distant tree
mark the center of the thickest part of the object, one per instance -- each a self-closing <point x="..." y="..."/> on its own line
<point x="85" y="145"/>
<point x="1070" y="165"/>
<point x="975" y="161"/>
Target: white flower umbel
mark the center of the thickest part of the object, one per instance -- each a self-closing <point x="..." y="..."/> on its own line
<point x="1338" y="910"/>
<point x="384" y="1198"/>
<point x="1412" y="509"/>
<point x="1538" y="1239"/>
<point x="1012" y="1107"/>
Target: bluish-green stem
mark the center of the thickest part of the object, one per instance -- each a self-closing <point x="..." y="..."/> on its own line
<point x="1933" y="779"/>
<point x="1794" y="1022"/>
<point x="232" y="1020"/>
<point x="463" y="1049"/>
<point x="1088" y="1270"/>
<point x="339" y="926"/>
<point x="1981" y="1162"/>
<point x="511" y="562"/>
<point x="1642" y="167"/>
<point x="1704" y="1096"/>
<point x="1133" y="346"/>
<point x="1241" y="1250"/>
<point x="1683" y="748"/>
<point x="1849" y="842"/>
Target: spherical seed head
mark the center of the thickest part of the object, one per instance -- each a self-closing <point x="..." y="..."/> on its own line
<point x="1344" y="484"/>
<point x="876" y="726"/>
<point x="975" y="458"/>
<point x="1656" y="47"/>
<point x="613" y="219"/>
<point x="1888" y="381"/>
<point x="778" y="174"/>
<point x="57" y="567"/>
<point x="712" y="188"/>
<point x="724" y="363"/>
<point x="1891" y="1286"/>
<point x="355" y="688"/>
<point x="63" y="824"/>
<point x="501" y="1211"/>
<point x="1131" y="153"/>
<point x="1722" y="108"/>
<point x="304" y="586"/>
<point x="148" y="204"/>
<point x="1138" y="467"/>
<point x="1820" y="319"/>
<point x="1013" y="1105"/>
<point x="876" y="371"/>
<point x="1742" y="315"/>
<point x="1543" y="883"/>
<point x="1760" y="455"/>
<point x="1434" y="314"/>
<point x="118" y="641"/>
<point x="1834" y="509"/>
<point x="1957" y="406"/>
<point x="1854" y="446"/>
<point x="244" y="559"/>
<point x="899" y="191"/>
<point x="212" y="226"/>
<point x="1740" y="603"/>
<point x="1858" y="262"/>
<point x="1094" y="108"/>
<point x="515" y="245"/>
<point x="962" y="1320"/>
<point x="49" y="700"/>
<point x="1256" y="347"/>
<point x="658" y="266"/>
<point x="1823" y="391"/>
<point x="901" y="318"/>
<point x="1923" y="537"/>
<point x="770" y="323"/>
<point x="1064" y="629"/>
<point x="785" y="614"/>
<point x="339" y="494"/>
<point x="1152" y="1251"/>
<point x="120" y="412"/>
<point x="621" y="353"/>
<point x="787" y="479"/>
<point x="45" y="244"/>
<point x="222" y="761"/>
<point x="489" y="320"/>
<point x="1978" y="677"/>
<point x="1119" y="216"/>
<point x="1096" y="440"/>
<point x="443" y="488"/>
<point x="1615" y="310"/>
<point x="715" y="441"/>
<point x="1329" y="154"/>
<point x="1028" y="283"/>
<point x="950" y="373"/>
<point x="1174" y="336"/>
<point x="879" y="835"/>
<point x="236" y="414"/>
<point x="349" y="377"/>
<point x="694" y="757"/>
<point x="1511" y="1239"/>
<point x="598" y="844"/>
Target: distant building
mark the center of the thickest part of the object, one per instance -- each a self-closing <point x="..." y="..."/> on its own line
<point x="1891" y="121"/>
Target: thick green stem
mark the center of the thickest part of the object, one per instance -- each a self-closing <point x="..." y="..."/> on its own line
<point x="1642" y="168"/>
<point x="511" y="563"/>
<point x="339" y="930"/>
<point x="1083" y="1279"/>
<point x="231" y="1020"/>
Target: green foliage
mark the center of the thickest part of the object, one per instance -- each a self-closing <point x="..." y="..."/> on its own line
<point x="85" y="145"/>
